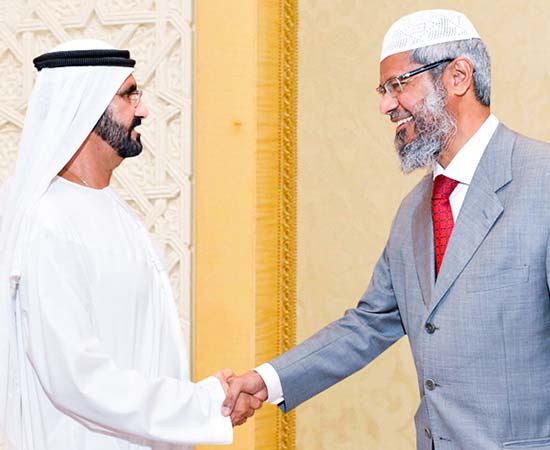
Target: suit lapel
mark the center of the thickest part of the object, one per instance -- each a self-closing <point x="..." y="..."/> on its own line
<point x="480" y="210"/>
<point x="423" y="247"/>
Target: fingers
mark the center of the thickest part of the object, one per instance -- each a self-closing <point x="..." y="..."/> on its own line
<point x="244" y="408"/>
<point x="249" y="383"/>
<point x="244" y="394"/>
<point x="255" y="403"/>
<point x="232" y="394"/>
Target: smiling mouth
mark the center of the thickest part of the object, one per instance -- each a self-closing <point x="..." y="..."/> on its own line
<point x="401" y="123"/>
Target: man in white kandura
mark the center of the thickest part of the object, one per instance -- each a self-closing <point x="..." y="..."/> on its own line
<point x="93" y="357"/>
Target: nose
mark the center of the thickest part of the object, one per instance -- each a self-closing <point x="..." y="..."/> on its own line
<point x="141" y="110"/>
<point x="387" y="103"/>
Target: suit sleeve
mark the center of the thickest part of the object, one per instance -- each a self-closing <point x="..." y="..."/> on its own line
<point x="344" y="346"/>
<point x="80" y="377"/>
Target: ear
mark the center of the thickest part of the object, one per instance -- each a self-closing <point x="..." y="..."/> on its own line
<point x="460" y="76"/>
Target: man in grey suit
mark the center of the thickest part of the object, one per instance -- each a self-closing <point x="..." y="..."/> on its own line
<point x="465" y="270"/>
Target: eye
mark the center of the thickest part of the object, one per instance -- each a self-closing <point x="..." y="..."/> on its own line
<point x="395" y="85"/>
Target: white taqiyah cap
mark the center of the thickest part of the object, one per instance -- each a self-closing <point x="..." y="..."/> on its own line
<point x="423" y="28"/>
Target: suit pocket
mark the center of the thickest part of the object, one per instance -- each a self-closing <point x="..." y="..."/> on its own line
<point x="533" y="444"/>
<point x="501" y="278"/>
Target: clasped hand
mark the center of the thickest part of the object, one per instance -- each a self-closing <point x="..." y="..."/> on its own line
<point x="244" y="394"/>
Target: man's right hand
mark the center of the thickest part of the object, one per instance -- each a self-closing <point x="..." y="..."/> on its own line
<point x="248" y="383"/>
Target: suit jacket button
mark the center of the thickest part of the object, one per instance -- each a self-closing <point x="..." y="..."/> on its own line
<point x="430" y="384"/>
<point x="430" y="328"/>
<point x="428" y="432"/>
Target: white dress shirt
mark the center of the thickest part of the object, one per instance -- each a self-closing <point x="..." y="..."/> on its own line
<point x="461" y="168"/>
<point x="464" y="164"/>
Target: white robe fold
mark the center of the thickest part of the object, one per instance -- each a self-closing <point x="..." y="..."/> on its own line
<point x="105" y="365"/>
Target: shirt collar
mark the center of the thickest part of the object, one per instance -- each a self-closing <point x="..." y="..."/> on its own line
<point x="464" y="164"/>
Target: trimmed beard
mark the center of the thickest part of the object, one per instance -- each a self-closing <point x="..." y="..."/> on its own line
<point x="433" y="126"/>
<point x="118" y="136"/>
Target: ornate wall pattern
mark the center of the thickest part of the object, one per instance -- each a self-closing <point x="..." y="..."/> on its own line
<point x="158" y="33"/>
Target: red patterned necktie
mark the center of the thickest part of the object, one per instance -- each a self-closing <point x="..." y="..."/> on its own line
<point x="442" y="216"/>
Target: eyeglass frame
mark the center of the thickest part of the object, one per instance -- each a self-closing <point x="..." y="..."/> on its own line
<point x="383" y="90"/>
<point x="137" y="94"/>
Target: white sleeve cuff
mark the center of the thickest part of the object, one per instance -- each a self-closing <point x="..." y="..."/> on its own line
<point x="273" y="383"/>
<point x="220" y="428"/>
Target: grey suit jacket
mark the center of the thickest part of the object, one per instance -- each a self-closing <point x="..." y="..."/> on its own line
<point x="480" y="334"/>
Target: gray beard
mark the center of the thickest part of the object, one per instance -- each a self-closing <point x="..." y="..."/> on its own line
<point x="433" y="126"/>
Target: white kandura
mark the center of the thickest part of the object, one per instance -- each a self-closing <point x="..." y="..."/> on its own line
<point x="103" y="339"/>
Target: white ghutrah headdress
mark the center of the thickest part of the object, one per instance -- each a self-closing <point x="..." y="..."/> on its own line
<point x="75" y="84"/>
<point x="423" y="28"/>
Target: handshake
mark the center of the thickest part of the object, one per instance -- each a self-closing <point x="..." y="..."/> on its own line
<point x="244" y="394"/>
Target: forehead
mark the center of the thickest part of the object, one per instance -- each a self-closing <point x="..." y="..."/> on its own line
<point x="128" y="82"/>
<point x="394" y="65"/>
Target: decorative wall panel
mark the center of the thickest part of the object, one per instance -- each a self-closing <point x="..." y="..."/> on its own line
<point x="158" y="34"/>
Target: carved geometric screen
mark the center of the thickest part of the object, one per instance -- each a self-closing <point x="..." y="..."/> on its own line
<point x="158" y="33"/>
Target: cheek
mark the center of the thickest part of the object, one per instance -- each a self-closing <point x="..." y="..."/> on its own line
<point x="407" y="102"/>
<point x="123" y="113"/>
<point x="415" y="95"/>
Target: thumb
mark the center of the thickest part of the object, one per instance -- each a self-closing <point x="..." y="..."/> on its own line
<point x="227" y="373"/>
<point x="231" y="398"/>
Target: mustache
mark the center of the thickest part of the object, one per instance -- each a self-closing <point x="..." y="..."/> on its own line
<point x="135" y="123"/>
<point x="396" y="115"/>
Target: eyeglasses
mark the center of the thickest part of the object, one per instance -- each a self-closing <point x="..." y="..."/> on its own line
<point x="134" y="97"/>
<point x="394" y="86"/>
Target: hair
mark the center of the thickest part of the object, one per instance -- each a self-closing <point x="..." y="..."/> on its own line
<point x="473" y="49"/>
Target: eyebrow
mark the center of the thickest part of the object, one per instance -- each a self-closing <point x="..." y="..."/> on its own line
<point x="381" y="85"/>
<point x="129" y="89"/>
<point x="397" y="76"/>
